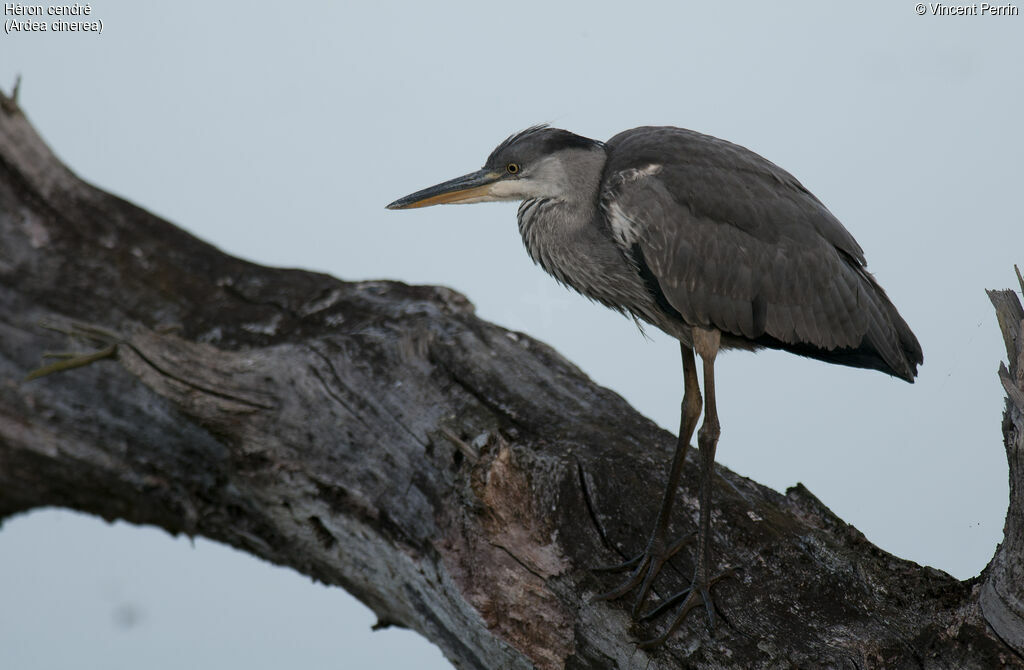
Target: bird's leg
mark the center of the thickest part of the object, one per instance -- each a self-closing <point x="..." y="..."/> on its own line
<point x="706" y="342"/>
<point x="707" y="440"/>
<point x="649" y="563"/>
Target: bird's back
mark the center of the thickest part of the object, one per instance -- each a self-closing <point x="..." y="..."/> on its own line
<point x="728" y="240"/>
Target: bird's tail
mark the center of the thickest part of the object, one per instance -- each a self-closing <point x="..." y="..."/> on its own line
<point x="892" y="339"/>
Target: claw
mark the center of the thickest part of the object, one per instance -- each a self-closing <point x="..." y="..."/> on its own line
<point x="667" y="604"/>
<point x="621" y="567"/>
<point x="689" y="598"/>
<point x="688" y="604"/>
<point x="656" y="564"/>
<point x="622" y="589"/>
<point x="646" y="567"/>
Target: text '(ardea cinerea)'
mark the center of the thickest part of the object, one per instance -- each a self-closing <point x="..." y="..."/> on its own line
<point x="711" y="243"/>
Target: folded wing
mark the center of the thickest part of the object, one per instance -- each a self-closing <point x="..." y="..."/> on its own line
<point x="736" y="243"/>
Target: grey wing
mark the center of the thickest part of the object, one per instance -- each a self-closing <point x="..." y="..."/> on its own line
<point x="735" y="243"/>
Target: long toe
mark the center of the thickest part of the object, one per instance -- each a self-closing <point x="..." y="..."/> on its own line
<point x="692" y="596"/>
<point x="631" y="582"/>
<point x="622" y="567"/>
<point x="666" y="605"/>
<point x="645" y="568"/>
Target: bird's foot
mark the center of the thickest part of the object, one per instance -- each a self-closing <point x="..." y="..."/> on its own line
<point x="644" y="568"/>
<point x="699" y="591"/>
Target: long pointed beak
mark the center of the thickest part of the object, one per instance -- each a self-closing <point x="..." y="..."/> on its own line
<point x="472" y="187"/>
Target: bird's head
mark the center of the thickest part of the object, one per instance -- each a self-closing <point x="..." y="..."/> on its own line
<point x="539" y="162"/>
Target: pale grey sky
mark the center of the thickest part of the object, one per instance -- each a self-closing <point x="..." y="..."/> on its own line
<point x="279" y="134"/>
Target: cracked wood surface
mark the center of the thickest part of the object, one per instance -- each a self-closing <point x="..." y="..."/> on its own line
<point x="460" y="479"/>
<point x="1002" y="593"/>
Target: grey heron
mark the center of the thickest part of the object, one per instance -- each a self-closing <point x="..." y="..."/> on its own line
<point x="711" y="243"/>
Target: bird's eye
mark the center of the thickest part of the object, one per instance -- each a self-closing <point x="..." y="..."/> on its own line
<point x="512" y="168"/>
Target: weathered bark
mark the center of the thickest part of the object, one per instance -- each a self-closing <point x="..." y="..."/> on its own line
<point x="458" y="478"/>
<point x="1002" y="592"/>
